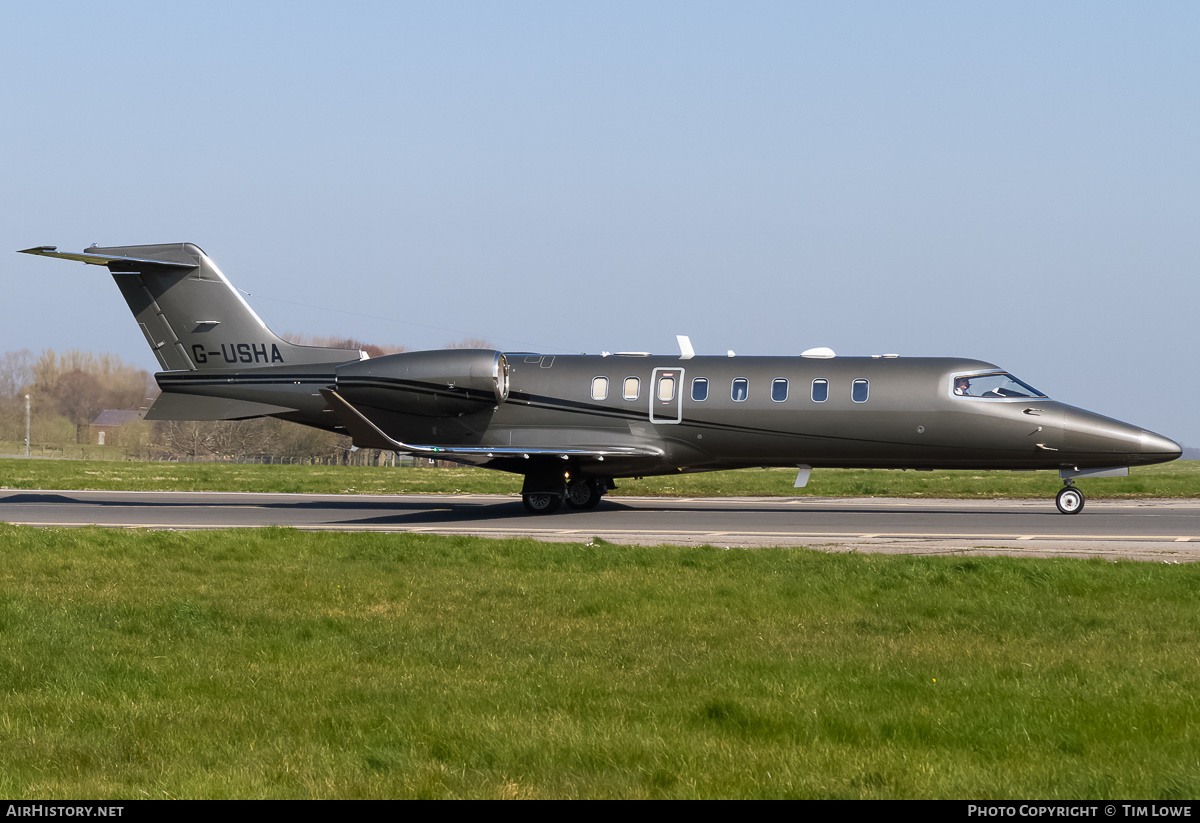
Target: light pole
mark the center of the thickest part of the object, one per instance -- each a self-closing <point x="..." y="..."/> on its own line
<point x="26" y="427"/>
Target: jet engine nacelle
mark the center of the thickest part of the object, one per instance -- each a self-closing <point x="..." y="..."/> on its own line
<point x="445" y="383"/>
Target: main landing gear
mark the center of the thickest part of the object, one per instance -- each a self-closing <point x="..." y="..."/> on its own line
<point x="1069" y="499"/>
<point x="542" y="502"/>
<point x="577" y="494"/>
<point x="584" y="494"/>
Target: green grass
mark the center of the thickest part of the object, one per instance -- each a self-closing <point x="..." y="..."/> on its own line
<point x="274" y="663"/>
<point x="248" y="477"/>
<point x="1180" y="479"/>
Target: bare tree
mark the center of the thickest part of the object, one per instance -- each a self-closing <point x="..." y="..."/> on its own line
<point x="16" y="375"/>
<point x="185" y="438"/>
<point x="238" y="439"/>
<point x="79" y="396"/>
<point x="296" y="442"/>
<point x="16" y="372"/>
<point x="79" y="385"/>
<point x="371" y="349"/>
<point x="470" y="343"/>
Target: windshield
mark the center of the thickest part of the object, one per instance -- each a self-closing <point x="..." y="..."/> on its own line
<point x="992" y="384"/>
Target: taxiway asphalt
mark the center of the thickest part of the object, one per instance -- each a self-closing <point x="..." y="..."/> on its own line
<point x="1160" y="530"/>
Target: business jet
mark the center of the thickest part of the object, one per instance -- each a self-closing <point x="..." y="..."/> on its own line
<point x="574" y="424"/>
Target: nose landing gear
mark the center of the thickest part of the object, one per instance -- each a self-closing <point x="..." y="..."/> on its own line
<point x="1069" y="499"/>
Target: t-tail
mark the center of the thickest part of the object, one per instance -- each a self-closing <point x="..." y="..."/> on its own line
<point x="219" y="360"/>
<point x="193" y="319"/>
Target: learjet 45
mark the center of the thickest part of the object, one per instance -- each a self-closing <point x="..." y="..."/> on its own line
<point x="574" y="424"/>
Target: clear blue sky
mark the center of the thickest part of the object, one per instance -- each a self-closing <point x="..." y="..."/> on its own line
<point x="1017" y="182"/>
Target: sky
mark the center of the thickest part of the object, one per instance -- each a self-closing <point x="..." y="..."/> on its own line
<point x="1015" y="182"/>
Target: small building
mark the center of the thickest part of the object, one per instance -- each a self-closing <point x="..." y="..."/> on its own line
<point x="109" y="424"/>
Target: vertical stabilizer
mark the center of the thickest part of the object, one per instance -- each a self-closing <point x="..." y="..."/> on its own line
<point x="191" y="316"/>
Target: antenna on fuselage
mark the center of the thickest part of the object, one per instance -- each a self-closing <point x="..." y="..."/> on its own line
<point x="686" y="352"/>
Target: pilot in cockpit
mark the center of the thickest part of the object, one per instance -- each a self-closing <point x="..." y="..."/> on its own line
<point x="962" y="386"/>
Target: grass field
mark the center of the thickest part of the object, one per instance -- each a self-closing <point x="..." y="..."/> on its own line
<point x="280" y="664"/>
<point x="1179" y="479"/>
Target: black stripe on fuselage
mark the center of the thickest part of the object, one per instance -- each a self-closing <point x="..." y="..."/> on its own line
<point x="241" y="379"/>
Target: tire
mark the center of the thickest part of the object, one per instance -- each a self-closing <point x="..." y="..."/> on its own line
<point x="541" y="502"/>
<point x="583" y="494"/>
<point x="1069" y="500"/>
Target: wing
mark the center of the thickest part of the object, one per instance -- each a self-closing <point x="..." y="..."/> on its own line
<point x="367" y="434"/>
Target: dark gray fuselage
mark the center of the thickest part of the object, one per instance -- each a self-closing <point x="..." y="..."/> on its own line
<point x="909" y="417"/>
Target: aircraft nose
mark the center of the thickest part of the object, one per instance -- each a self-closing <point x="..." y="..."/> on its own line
<point x="1096" y="440"/>
<point x="1158" y="449"/>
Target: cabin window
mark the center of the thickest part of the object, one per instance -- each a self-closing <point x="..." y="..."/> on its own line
<point x="740" y="389"/>
<point x="820" y="390"/>
<point x="858" y="393"/>
<point x="666" y="388"/>
<point x="599" y="388"/>
<point x="779" y="389"/>
<point x="992" y="385"/>
<point x="633" y="387"/>
<point x="700" y="389"/>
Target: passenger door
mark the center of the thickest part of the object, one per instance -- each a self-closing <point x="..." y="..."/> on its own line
<point x="666" y="396"/>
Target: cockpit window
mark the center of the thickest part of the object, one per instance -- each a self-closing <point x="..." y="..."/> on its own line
<point x="993" y="385"/>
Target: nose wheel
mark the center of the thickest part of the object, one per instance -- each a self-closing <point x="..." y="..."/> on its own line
<point x="1069" y="500"/>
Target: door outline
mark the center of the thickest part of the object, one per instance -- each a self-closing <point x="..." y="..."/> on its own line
<point x="660" y="410"/>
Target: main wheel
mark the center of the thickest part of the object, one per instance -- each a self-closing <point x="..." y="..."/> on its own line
<point x="1069" y="500"/>
<point x="583" y="494"/>
<point x="541" y="503"/>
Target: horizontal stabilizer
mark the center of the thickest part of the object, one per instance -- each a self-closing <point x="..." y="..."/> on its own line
<point x="170" y="406"/>
<point x="105" y="259"/>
